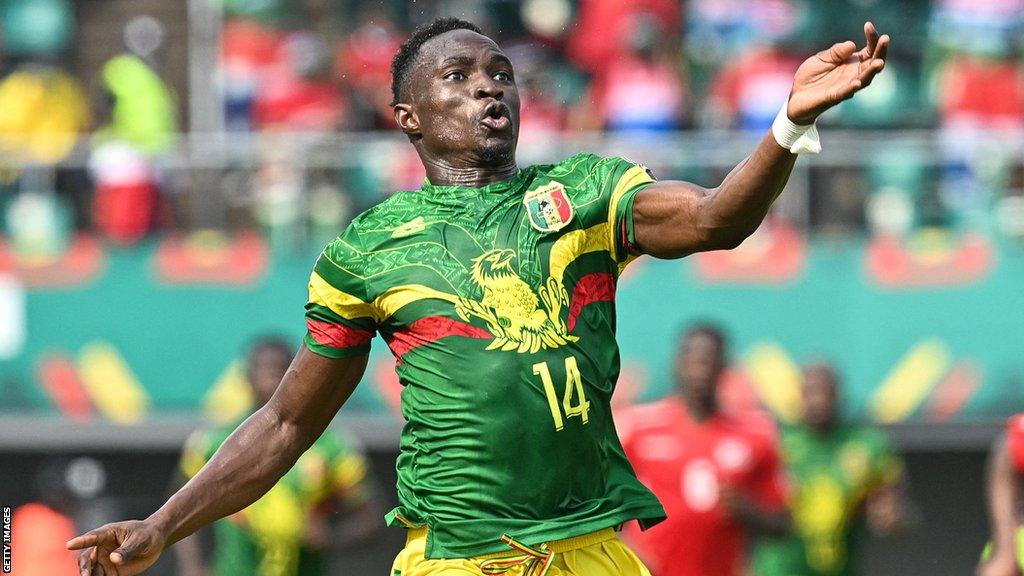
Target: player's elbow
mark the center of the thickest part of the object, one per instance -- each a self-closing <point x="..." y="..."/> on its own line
<point x="724" y="237"/>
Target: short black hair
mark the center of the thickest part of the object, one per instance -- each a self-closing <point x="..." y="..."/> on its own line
<point x="403" y="60"/>
<point x="712" y="331"/>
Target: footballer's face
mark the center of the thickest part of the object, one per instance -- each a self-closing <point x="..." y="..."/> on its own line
<point x="699" y="365"/>
<point x="463" y="104"/>
<point x="820" y="397"/>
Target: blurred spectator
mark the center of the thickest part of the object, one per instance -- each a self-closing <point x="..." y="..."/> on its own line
<point x="43" y="111"/>
<point x="296" y="92"/>
<point x="838" y="472"/>
<point x="41" y="528"/>
<point x="605" y="29"/>
<point x="719" y="31"/>
<point x="142" y="124"/>
<point x="543" y="106"/>
<point x="142" y="109"/>
<point x="247" y="50"/>
<point x="364" y="63"/>
<point x="748" y="92"/>
<point x="324" y="502"/>
<point x="718" y="475"/>
<point x="1004" y="555"/>
<point x="978" y="87"/>
<point x="278" y="196"/>
<point x="989" y="28"/>
<point x="641" y="89"/>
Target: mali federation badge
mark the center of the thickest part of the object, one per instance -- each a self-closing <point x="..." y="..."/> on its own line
<point x="548" y="207"/>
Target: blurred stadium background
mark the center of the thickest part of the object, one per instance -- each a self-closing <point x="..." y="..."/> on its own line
<point x="169" y="170"/>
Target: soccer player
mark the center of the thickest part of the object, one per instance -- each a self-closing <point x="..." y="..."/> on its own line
<point x="1005" y="470"/>
<point x="837" y="473"/>
<point x="718" y="475"/>
<point x="494" y="287"/>
<point x="288" y="531"/>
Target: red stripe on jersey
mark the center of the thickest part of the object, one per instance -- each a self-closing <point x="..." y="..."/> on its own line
<point x="597" y="287"/>
<point x="337" y="335"/>
<point x="431" y="329"/>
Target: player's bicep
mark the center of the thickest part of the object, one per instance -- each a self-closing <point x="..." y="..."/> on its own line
<point x="314" y="389"/>
<point x="667" y="219"/>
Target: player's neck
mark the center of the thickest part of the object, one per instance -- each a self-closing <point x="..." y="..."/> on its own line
<point x="700" y="411"/>
<point x="445" y="173"/>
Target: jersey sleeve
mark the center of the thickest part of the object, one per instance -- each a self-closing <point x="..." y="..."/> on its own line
<point x="624" y="181"/>
<point x="618" y="180"/>
<point x="1015" y="441"/>
<point x="341" y="318"/>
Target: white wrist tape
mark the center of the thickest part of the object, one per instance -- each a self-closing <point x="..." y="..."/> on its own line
<point x="794" y="137"/>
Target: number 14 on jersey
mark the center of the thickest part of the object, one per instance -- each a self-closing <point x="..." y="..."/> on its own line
<point x="574" y="399"/>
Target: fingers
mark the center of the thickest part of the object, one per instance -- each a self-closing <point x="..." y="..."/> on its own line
<point x="871" y="37"/>
<point x="883" y="47"/>
<point x="90" y="538"/>
<point x="86" y="560"/>
<point x="838" y="53"/>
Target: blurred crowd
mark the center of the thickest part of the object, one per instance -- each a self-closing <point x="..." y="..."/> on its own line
<point x="644" y="70"/>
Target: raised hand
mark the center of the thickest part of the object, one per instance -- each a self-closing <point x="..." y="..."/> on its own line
<point x="834" y="75"/>
<point x="121" y="549"/>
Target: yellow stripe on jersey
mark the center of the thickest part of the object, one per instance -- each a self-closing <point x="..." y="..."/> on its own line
<point x="574" y="244"/>
<point x="383" y="307"/>
<point x="341" y="303"/>
<point x="111" y="385"/>
<point x="633" y="177"/>
<point x="394" y="299"/>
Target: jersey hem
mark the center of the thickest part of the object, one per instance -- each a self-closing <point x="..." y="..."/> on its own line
<point x="646" y="515"/>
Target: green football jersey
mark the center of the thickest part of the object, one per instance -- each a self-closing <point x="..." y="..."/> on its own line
<point x="266" y="539"/>
<point x="498" y="304"/>
<point x="830" y="478"/>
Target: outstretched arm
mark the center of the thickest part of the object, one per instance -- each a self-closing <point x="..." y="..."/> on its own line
<point x="1002" y="500"/>
<point x="673" y="219"/>
<point x="249" y="463"/>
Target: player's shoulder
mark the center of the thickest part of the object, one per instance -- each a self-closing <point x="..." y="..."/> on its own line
<point x="585" y="164"/>
<point x="376" y="224"/>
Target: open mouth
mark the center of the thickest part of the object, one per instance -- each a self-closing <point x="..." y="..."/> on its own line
<point x="496" y="116"/>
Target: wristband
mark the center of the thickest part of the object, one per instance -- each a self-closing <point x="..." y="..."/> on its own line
<point x="794" y="137"/>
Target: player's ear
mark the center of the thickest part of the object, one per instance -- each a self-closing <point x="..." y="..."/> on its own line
<point x="407" y="120"/>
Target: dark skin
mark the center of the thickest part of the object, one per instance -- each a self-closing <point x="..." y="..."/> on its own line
<point x="885" y="506"/>
<point x="699" y="367"/>
<point x="1003" y="500"/>
<point x="266" y="368"/>
<point x="460" y="110"/>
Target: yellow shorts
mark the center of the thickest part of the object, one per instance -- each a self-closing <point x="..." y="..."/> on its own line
<point x="599" y="553"/>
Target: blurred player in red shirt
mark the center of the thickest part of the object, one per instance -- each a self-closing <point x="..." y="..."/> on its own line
<point x="719" y="476"/>
<point x="1005" y="472"/>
